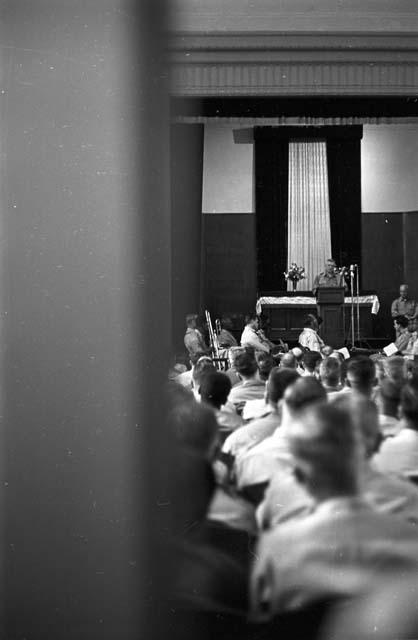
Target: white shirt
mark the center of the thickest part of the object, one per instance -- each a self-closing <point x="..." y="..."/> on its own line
<point x="250" y="338"/>
<point x="399" y="454"/>
<point x="310" y="340"/>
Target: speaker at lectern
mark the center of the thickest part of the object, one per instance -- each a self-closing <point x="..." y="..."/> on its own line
<point x="330" y="301"/>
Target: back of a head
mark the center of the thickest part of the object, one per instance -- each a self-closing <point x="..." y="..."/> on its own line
<point x="288" y="361"/>
<point x="193" y="425"/>
<point x="389" y="396"/>
<point x="279" y="380"/>
<point x="330" y="371"/>
<point x="311" y="360"/>
<point x="395" y="369"/>
<point x="265" y="363"/>
<point x="365" y="419"/>
<point x="409" y="405"/>
<point x="327" y="451"/>
<point x="361" y="374"/>
<point x="304" y="393"/>
<point x="245" y="364"/>
<point x="201" y="368"/>
<point x="214" y="388"/>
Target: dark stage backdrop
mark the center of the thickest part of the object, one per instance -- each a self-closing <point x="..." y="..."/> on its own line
<point x="271" y="196"/>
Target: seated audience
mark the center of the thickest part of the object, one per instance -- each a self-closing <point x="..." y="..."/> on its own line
<point x="250" y="387"/>
<point x="193" y="338"/>
<point x="214" y="390"/>
<point x="203" y="365"/>
<point x="288" y="361"/>
<point x="254" y="468"/>
<point x="311" y="361"/>
<point x="405" y="306"/>
<point x="226" y="339"/>
<point x="361" y="376"/>
<point x="387" y="398"/>
<point x="309" y="338"/>
<point x="186" y="378"/>
<point x="258" y="408"/>
<point x="231" y="371"/>
<point x="344" y="544"/>
<point x="403" y="336"/>
<point x="298" y="353"/>
<point x="330" y="375"/>
<point x="249" y="435"/>
<point x="400" y="453"/>
<point x="287" y="499"/>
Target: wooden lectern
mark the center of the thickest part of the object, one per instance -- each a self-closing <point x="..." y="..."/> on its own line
<point x="330" y="302"/>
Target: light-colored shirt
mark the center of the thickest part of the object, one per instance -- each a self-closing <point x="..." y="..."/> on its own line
<point x="250" y="337"/>
<point x="325" y="279"/>
<point x="399" y="454"/>
<point x="194" y="342"/>
<point x="226" y="339"/>
<point x="338" y="550"/>
<point x="251" y="434"/>
<point x="261" y="462"/>
<point x="404" y="307"/>
<point x="310" y="340"/>
<point x="247" y="390"/>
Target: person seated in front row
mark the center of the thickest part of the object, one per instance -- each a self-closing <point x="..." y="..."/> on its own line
<point x="226" y="339"/>
<point x="387" y="398"/>
<point x="254" y="337"/>
<point x="288" y="361"/>
<point x="257" y="408"/>
<point x="360" y="376"/>
<point x="403" y="336"/>
<point x="345" y="544"/>
<point x="309" y="338"/>
<point x="250" y="387"/>
<point x="287" y="499"/>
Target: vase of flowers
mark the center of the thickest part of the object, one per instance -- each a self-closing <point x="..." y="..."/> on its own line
<point x="294" y="274"/>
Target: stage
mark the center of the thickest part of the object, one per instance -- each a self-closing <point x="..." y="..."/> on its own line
<point x="285" y="314"/>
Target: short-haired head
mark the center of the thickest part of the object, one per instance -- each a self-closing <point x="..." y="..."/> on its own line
<point x="202" y="366"/>
<point x="394" y="368"/>
<point x="288" y="361"/>
<point x="402" y="321"/>
<point x="388" y="397"/>
<point x="214" y="388"/>
<point x="191" y="320"/>
<point x="305" y="392"/>
<point x="311" y="360"/>
<point x="265" y="363"/>
<point x="279" y="380"/>
<point x="194" y="425"/>
<point x="365" y="419"/>
<point x="327" y="451"/>
<point x="245" y="364"/>
<point x="361" y="374"/>
<point x="403" y="290"/>
<point x="330" y="371"/>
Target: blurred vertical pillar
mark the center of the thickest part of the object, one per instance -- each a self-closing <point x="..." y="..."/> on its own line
<point x="85" y="310"/>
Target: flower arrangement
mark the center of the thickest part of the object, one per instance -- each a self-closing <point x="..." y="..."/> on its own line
<point x="294" y="274"/>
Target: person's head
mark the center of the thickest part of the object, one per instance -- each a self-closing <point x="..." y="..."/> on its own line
<point x="311" y="322"/>
<point x="245" y="365"/>
<point x="201" y="368"/>
<point x="330" y="372"/>
<point x="388" y="397"/>
<point x="363" y="412"/>
<point x="194" y="426"/>
<point x="401" y="323"/>
<point x="288" y="361"/>
<point x="327" y="451"/>
<point x="330" y="266"/>
<point x="191" y="320"/>
<point x="251" y="320"/>
<point x="394" y="369"/>
<point x="279" y="380"/>
<point x="409" y="405"/>
<point x="311" y="360"/>
<point x="298" y="353"/>
<point x="303" y="393"/>
<point x="361" y="374"/>
<point x="226" y="323"/>
<point x="403" y="291"/>
<point x="214" y="388"/>
<point x="195" y="357"/>
<point x="327" y="350"/>
<point x="265" y="363"/>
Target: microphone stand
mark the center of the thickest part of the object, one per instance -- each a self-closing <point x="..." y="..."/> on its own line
<point x="352" y="304"/>
<point x="358" y="303"/>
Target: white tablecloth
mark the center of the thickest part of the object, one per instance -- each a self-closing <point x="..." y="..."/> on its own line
<point x="373" y="300"/>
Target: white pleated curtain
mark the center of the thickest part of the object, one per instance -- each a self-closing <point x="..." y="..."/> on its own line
<point x="309" y="233"/>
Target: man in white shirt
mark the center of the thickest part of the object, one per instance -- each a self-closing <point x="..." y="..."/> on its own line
<point x="251" y="338"/>
<point x="309" y="338"/>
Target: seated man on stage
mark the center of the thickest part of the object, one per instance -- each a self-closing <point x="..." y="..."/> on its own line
<point x="226" y="339"/>
<point x="405" y="306"/>
<point x="330" y="277"/>
<point x="252" y="336"/>
<point x="309" y="338"/>
<point x="193" y="339"/>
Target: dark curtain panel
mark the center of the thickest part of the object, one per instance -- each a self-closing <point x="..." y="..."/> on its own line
<point x="344" y="181"/>
<point x="271" y="197"/>
<point x="186" y="169"/>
